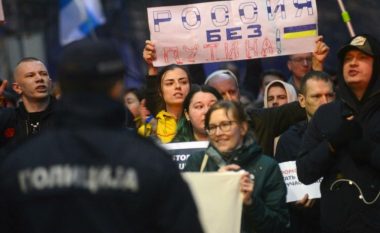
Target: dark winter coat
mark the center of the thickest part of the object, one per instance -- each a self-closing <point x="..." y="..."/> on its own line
<point x="88" y="174"/>
<point x="302" y="220"/>
<point x="351" y="175"/>
<point x="14" y="123"/>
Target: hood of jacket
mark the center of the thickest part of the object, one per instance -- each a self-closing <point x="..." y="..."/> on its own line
<point x="291" y="93"/>
<point x="373" y="88"/>
<point x="89" y="110"/>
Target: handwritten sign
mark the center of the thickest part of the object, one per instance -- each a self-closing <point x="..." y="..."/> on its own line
<point x="232" y="30"/>
<point x="297" y="190"/>
<point x="181" y="151"/>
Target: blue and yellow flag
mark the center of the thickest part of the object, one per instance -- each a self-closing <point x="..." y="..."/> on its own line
<point x="78" y="18"/>
<point x="300" y="31"/>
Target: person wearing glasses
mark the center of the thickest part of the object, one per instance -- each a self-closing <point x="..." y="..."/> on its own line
<point x="232" y="148"/>
<point x="300" y="64"/>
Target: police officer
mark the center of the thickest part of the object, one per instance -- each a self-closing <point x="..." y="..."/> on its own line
<point x="87" y="173"/>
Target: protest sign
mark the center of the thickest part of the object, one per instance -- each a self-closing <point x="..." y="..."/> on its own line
<point x="218" y="198"/>
<point x="297" y="190"/>
<point x="182" y="150"/>
<point x="232" y="30"/>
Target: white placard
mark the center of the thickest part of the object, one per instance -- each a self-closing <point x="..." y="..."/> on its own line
<point x="232" y="30"/>
<point x="297" y="190"/>
<point x="218" y="198"/>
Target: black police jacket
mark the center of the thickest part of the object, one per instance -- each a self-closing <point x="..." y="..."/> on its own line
<point x="88" y="174"/>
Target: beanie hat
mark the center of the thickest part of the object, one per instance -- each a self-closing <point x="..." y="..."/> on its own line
<point x="89" y="60"/>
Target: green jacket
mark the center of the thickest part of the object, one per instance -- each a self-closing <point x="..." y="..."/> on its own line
<point x="268" y="211"/>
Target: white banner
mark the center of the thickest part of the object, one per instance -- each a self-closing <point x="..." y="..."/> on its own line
<point x="218" y="198"/>
<point x="232" y="30"/>
<point x="297" y="190"/>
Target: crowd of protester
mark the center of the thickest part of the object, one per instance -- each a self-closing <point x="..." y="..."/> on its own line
<point x="330" y="129"/>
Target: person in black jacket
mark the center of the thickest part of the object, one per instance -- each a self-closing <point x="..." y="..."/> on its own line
<point x="88" y="173"/>
<point x="316" y="89"/>
<point x="341" y="144"/>
<point x="33" y="84"/>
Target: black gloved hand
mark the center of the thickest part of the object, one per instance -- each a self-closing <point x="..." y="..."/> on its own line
<point x="347" y="131"/>
<point x="360" y="150"/>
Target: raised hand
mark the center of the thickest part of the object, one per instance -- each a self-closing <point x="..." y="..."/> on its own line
<point x="320" y="53"/>
<point x="149" y="55"/>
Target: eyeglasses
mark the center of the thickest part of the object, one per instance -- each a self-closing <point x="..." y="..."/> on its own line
<point x="302" y="59"/>
<point x="224" y="126"/>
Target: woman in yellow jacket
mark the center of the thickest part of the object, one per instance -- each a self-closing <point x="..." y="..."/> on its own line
<point x="166" y="92"/>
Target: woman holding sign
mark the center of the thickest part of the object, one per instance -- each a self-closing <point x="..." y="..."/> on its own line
<point x="166" y="91"/>
<point x="232" y="148"/>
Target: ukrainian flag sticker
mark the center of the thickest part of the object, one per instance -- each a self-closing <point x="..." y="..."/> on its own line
<point x="300" y="31"/>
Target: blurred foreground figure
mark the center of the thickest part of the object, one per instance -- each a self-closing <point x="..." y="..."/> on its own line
<point x="87" y="173"/>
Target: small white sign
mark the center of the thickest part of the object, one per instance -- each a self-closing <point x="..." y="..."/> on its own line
<point x="296" y="189"/>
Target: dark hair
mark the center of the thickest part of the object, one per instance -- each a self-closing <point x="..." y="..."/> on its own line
<point x="169" y="68"/>
<point x="137" y="92"/>
<point x="236" y="109"/>
<point x="184" y="129"/>
<point x="317" y="75"/>
<point x="90" y="66"/>
<point x="276" y="84"/>
<point x="273" y="72"/>
<point x="95" y="86"/>
<point x="195" y="89"/>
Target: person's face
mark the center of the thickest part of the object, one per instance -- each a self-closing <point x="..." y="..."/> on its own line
<point x="300" y="64"/>
<point x="199" y="105"/>
<point x="318" y="92"/>
<point x="175" y="86"/>
<point x="276" y="96"/>
<point x="226" y="86"/>
<point x="233" y="134"/>
<point x="132" y="103"/>
<point x="357" y="69"/>
<point x="32" y="80"/>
